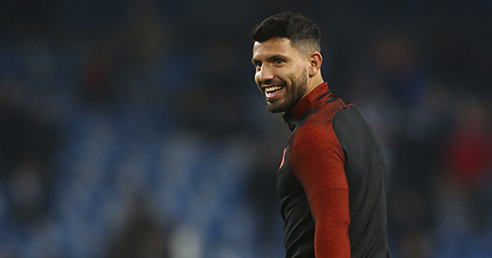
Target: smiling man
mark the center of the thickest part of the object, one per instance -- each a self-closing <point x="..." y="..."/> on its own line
<point x="331" y="179"/>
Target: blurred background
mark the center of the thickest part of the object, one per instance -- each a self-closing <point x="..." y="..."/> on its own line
<point x="135" y="129"/>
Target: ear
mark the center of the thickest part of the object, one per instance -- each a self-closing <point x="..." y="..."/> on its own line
<point x="315" y="60"/>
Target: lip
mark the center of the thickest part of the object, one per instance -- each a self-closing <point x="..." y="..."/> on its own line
<point x="265" y="86"/>
<point x="273" y="94"/>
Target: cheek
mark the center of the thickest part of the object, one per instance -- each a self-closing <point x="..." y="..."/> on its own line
<point x="289" y="77"/>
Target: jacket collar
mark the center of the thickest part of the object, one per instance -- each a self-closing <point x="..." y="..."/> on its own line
<point x="293" y="115"/>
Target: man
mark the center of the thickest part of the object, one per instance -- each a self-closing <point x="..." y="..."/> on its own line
<point x="331" y="179"/>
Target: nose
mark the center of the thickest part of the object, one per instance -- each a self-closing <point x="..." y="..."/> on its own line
<point x="265" y="74"/>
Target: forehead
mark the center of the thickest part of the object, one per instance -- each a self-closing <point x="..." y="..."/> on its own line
<point x="274" y="46"/>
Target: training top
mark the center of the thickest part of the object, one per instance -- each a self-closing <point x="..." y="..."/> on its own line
<point x="331" y="181"/>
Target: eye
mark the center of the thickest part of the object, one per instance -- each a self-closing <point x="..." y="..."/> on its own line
<point x="257" y="65"/>
<point x="279" y="61"/>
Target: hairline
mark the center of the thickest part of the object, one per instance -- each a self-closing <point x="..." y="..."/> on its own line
<point x="303" y="46"/>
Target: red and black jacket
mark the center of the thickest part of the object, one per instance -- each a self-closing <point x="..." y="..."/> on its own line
<point x="331" y="181"/>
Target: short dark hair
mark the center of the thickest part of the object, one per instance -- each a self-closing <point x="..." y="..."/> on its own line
<point x="293" y="26"/>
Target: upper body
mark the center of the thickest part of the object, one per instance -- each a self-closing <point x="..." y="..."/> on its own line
<point x="331" y="183"/>
<point x="331" y="180"/>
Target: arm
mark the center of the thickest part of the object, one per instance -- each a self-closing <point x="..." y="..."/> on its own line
<point x="318" y="161"/>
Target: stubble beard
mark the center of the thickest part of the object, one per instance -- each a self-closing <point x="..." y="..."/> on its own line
<point x="294" y="93"/>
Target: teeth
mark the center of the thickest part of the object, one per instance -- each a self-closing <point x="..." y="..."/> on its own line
<point x="274" y="88"/>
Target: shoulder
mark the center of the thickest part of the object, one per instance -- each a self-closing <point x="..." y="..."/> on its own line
<point x="311" y="140"/>
<point x="312" y="133"/>
<point x="317" y="158"/>
<point x="319" y="123"/>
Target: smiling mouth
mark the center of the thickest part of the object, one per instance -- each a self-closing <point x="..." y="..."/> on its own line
<point x="273" y="92"/>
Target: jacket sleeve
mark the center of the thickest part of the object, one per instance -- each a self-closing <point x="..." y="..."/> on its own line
<point x="317" y="160"/>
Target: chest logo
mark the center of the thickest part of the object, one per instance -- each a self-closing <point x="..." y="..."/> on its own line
<point x="283" y="159"/>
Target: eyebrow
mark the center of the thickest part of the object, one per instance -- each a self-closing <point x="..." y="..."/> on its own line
<point x="270" y="58"/>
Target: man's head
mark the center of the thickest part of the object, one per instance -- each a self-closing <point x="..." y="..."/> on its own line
<point x="286" y="54"/>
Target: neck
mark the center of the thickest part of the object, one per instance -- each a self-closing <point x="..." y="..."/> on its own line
<point x="313" y="83"/>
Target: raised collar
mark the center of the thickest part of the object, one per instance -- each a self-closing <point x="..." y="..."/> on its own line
<point x="294" y="114"/>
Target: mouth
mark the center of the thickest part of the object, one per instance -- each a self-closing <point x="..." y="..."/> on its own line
<point x="273" y="92"/>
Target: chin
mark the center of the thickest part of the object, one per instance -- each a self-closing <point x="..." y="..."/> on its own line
<point x="277" y="107"/>
<point x="275" y="110"/>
